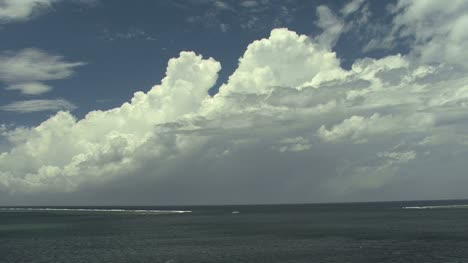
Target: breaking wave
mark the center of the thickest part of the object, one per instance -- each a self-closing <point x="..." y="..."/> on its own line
<point x="142" y="211"/>
<point x="435" y="207"/>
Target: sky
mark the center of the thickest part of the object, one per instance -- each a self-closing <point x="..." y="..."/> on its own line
<point x="189" y="102"/>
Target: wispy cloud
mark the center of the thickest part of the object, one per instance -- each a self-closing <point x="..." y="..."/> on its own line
<point x="27" y="106"/>
<point x="351" y="7"/>
<point x="23" y="10"/>
<point x="249" y="3"/>
<point x="30" y="88"/>
<point x="131" y="33"/>
<point x="248" y="14"/>
<point x="34" y="64"/>
<point x="331" y="25"/>
<point x="24" y="70"/>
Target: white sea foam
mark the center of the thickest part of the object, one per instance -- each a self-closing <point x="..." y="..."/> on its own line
<point x="435" y="207"/>
<point x="142" y="211"/>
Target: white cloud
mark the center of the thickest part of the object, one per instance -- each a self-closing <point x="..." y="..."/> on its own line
<point x="246" y="15"/>
<point x="437" y="29"/>
<point x="105" y="140"/>
<point x="23" y="70"/>
<point x="131" y="33"/>
<point x="222" y="5"/>
<point x="399" y="157"/>
<point x="331" y="25"/>
<point x="289" y="115"/>
<point x="249" y="3"/>
<point x="359" y="129"/>
<point x="27" y="106"/>
<point x="351" y="7"/>
<point x="285" y="59"/>
<point x="21" y="10"/>
<point x="224" y="27"/>
<point x="296" y="144"/>
<point x="34" y="65"/>
<point x="30" y="88"/>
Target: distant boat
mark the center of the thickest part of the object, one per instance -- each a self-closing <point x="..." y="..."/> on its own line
<point x="235" y="212"/>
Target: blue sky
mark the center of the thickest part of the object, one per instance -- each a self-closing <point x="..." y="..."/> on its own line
<point x="240" y="101"/>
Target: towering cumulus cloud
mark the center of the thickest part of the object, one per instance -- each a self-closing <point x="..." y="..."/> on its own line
<point x="62" y="152"/>
<point x="290" y="125"/>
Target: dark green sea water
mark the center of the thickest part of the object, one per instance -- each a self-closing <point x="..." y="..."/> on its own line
<point x="373" y="232"/>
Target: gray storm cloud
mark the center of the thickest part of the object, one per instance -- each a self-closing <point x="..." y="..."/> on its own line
<point x="290" y="125"/>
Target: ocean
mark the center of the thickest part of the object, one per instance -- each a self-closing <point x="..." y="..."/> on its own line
<point x="423" y="232"/>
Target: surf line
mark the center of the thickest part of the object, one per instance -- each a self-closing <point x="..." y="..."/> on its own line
<point x="26" y="209"/>
<point x="435" y="207"/>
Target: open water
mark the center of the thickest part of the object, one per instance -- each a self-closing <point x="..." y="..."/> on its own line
<point x="423" y="232"/>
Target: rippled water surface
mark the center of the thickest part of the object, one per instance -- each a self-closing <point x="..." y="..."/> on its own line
<point x="375" y="232"/>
